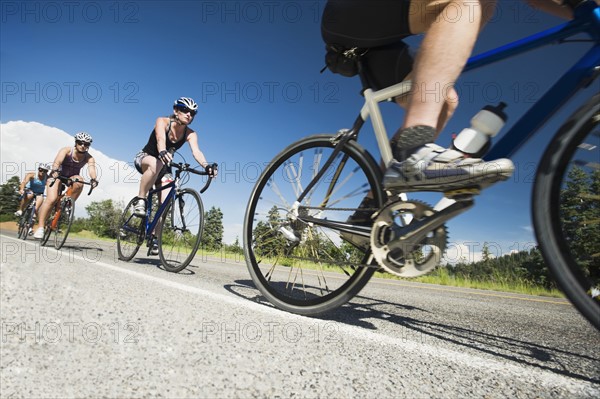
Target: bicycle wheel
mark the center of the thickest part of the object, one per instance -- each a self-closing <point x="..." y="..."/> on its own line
<point x="49" y="223"/>
<point x="26" y="220"/>
<point x="47" y="233"/>
<point x="181" y="230"/>
<point x="308" y="267"/>
<point x="566" y="209"/>
<point x="131" y="233"/>
<point x="67" y="213"/>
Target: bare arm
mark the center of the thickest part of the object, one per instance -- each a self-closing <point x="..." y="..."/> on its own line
<point x="28" y="177"/>
<point x="160" y="129"/>
<point x="192" y="139"/>
<point x="60" y="157"/>
<point x="91" y="163"/>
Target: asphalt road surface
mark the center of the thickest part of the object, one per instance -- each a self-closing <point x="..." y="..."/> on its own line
<point x="79" y="323"/>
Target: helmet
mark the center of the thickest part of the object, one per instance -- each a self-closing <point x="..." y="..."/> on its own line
<point x="186" y="102"/>
<point x="83" y="136"/>
<point x="45" y="166"/>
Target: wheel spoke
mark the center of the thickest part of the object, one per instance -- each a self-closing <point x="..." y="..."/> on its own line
<point x="301" y="266"/>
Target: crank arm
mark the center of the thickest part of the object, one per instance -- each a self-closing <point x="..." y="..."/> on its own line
<point x="417" y="230"/>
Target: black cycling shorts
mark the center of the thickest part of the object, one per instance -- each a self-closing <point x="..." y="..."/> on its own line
<point x="365" y="23"/>
<point x="376" y="25"/>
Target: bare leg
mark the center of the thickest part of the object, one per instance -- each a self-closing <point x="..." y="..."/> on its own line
<point x="51" y="197"/>
<point x="451" y="31"/>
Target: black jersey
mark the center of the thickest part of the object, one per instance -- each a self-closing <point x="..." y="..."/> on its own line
<point x="151" y="148"/>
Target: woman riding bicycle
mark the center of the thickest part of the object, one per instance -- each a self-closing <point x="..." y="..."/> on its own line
<point x="68" y="163"/>
<point x="169" y="134"/>
<point x="33" y="184"/>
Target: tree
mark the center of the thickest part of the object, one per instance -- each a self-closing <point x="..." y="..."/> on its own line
<point x="213" y="229"/>
<point x="267" y="240"/>
<point x="104" y="218"/>
<point x="236" y="247"/>
<point x="9" y="196"/>
<point x="579" y="216"/>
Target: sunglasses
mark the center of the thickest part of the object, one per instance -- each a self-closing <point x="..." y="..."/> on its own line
<point x="185" y="110"/>
<point x="42" y="170"/>
<point x="83" y="143"/>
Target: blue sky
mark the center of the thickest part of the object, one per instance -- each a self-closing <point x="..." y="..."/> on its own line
<point x="110" y="68"/>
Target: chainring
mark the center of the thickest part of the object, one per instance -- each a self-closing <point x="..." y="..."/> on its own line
<point x="405" y="258"/>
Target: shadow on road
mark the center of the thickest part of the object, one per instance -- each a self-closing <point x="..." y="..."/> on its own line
<point x="567" y="362"/>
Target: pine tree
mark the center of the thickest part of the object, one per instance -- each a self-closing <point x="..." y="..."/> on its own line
<point x="212" y="238"/>
<point x="9" y="196"/>
<point x="580" y="216"/>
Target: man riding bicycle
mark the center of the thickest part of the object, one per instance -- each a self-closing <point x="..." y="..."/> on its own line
<point x="33" y="184"/>
<point x="376" y="29"/>
<point x="68" y="163"/>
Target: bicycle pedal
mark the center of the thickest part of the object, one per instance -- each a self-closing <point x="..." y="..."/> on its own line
<point x="462" y="194"/>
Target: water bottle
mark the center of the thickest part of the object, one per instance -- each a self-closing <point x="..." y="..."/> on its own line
<point x="476" y="140"/>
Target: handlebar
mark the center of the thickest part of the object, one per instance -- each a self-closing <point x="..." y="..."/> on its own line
<point x="185" y="167"/>
<point x="69" y="181"/>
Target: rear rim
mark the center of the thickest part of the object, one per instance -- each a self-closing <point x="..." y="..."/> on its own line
<point x="308" y="268"/>
<point x="131" y="233"/>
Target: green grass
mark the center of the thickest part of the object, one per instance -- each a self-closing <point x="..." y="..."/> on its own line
<point x="439" y="276"/>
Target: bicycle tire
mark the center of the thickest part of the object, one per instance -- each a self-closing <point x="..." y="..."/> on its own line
<point x="320" y="290"/>
<point x="25" y="221"/>
<point x="181" y="230"/>
<point x="28" y="220"/>
<point x="48" y="225"/>
<point x="22" y="227"/>
<point x="576" y="272"/>
<point x="131" y="233"/>
<point x="63" y="226"/>
<point x="47" y="234"/>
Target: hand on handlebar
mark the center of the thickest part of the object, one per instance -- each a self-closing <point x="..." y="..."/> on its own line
<point x="212" y="169"/>
<point x="166" y="157"/>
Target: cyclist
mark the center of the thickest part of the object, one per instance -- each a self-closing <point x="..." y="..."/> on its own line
<point x="380" y="26"/>
<point x="68" y="162"/>
<point x="169" y="134"/>
<point x="33" y="184"/>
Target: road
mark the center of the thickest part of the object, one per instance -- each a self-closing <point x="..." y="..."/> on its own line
<point x="80" y="323"/>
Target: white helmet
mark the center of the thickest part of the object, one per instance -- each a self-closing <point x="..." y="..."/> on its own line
<point x="186" y="102"/>
<point x="45" y="166"/>
<point x="83" y="136"/>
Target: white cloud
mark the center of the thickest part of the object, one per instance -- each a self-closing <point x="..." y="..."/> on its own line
<point x="25" y="144"/>
<point x="528" y="228"/>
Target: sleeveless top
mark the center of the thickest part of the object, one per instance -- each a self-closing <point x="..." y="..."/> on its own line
<point x="36" y="185"/>
<point x="71" y="167"/>
<point x="151" y="148"/>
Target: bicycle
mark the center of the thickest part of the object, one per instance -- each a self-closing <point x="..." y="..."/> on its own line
<point x="63" y="213"/>
<point x="181" y="218"/>
<point x="27" y="219"/>
<point x="319" y="197"/>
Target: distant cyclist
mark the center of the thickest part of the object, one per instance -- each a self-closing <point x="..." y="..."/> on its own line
<point x="33" y="184"/>
<point x="169" y="134"/>
<point x="68" y="162"/>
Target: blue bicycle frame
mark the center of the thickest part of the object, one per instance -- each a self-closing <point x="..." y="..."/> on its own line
<point x="150" y="225"/>
<point x="582" y="74"/>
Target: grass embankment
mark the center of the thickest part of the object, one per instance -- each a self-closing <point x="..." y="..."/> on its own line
<point x="439" y="276"/>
